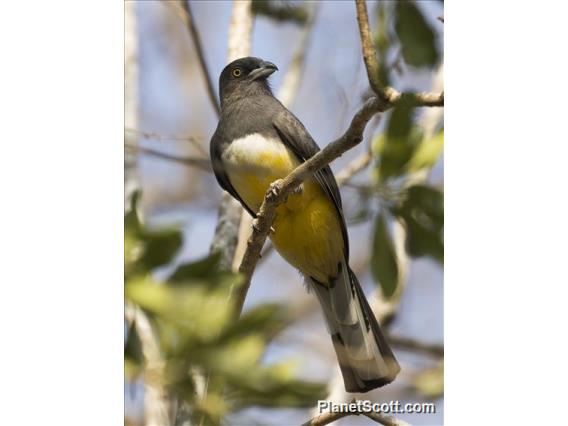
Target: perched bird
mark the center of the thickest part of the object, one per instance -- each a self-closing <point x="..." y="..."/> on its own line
<point x="257" y="142"/>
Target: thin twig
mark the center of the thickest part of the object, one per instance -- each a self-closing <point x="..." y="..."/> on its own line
<point x="283" y="188"/>
<point x="131" y="96"/>
<point x="382" y="90"/>
<point x="187" y="16"/>
<point x="416" y="346"/>
<point x="194" y="140"/>
<point x="355" y="166"/>
<point x="201" y="163"/>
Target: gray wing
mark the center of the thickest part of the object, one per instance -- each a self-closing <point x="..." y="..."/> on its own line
<point x="221" y="175"/>
<point x="296" y="137"/>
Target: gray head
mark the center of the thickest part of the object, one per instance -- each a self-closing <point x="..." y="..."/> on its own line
<point x="245" y="77"/>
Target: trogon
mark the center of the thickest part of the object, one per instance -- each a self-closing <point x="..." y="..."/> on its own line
<point x="257" y="142"/>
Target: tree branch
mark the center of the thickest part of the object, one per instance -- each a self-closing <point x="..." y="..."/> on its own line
<point x="156" y="400"/>
<point x="385" y="420"/>
<point x="201" y="163"/>
<point x="385" y="92"/>
<point x="194" y="140"/>
<point x="282" y="188"/>
<point x="327" y="418"/>
<point x="355" y="166"/>
<point x="431" y="349"/>
<point x="240" y="30"/>
<point x="230" y="211"/>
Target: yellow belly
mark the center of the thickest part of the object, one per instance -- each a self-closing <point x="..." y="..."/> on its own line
<point x="307" y="228"/>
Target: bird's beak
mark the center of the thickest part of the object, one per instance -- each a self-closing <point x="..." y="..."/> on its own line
<point x="265" y="69"/>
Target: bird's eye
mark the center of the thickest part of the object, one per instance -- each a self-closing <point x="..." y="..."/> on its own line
<point x="237" y="72"/>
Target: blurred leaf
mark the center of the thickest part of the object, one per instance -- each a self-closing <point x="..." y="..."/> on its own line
<point x="273" y="388"/>
<point x="382" y="39"/>
<point x="397" y="146"/>
<point x="213" y="407"/>
<point x="131" y="369"/>
<point x="239" y="355"/>
<point x="427" y="153"/>
<point x="422" y="211"/>
<point x="430" y="382"/>
<point x="133" y="355"/>
<point x="266" y="319"/>
<point x="417" y="39"/>
<point x="161" y="246"/>
<point x="195" y="324"/>
<point x="384" y="267"/>
<point x="202" y="269"/>
<point x="280" y="11"/>
<point x="199" y="312"/>
<point x="133" y="346"/>
<point x="144" y="248"/>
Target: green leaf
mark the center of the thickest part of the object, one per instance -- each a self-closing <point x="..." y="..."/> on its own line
<point x="133" y="346"/>
<point x="133" y="355"/>
<point x="427" y="153"/>
<point x="160" y="246"/>
<point x="422" y="211"/>
<point x="397" y="146"/>
<point x="195" y="310"/>
<point x="417" y="39"/>
<point x="274" y="386"/>
<point x="203" y="269"/>
<point x="384" y="266"/>
<point x="266" y="319"/>
<point x="145" y="248"/>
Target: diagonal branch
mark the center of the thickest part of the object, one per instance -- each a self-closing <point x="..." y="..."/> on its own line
<point x="325" y="419"/>
<point x="282" y="188"/>
<point x="355" y="166"/>
<point x="355" y="410"/>
<point x="187" y="17"/>
<point x="385" y="92"/>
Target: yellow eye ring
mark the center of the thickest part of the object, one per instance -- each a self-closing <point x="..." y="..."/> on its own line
<point x="237" y="72"/>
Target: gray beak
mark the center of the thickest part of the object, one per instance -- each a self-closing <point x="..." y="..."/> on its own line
<point x="265" y="69"/>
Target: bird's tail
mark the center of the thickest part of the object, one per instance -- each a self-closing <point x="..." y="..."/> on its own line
<point x="364" y="356"/>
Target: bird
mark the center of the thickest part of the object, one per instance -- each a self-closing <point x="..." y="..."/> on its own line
<point x="258" y="141"/>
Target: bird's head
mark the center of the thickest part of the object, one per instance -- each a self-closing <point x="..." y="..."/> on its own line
<point x="245" y="77"/>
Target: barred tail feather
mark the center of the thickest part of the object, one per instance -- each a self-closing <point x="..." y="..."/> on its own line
<point x="364" y="356"/>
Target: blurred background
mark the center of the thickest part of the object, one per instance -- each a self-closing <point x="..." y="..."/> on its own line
<point x="393" y="205"/>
